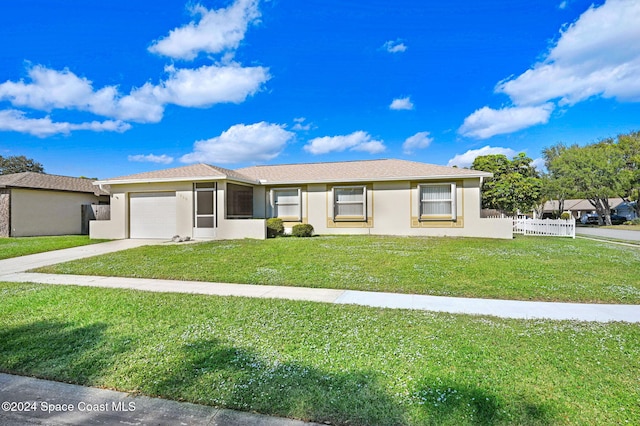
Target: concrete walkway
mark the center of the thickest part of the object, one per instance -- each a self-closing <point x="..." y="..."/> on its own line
<point x="29" y="401"/>
<point x="32" y="261"/>
<point x="13" y="270"/>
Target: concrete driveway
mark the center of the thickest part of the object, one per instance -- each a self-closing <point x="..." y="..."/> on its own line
<point x="616" y="234"/>
<point x="38" y="260"/>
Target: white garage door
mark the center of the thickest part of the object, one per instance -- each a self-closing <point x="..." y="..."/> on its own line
<point x="152" y="215"/>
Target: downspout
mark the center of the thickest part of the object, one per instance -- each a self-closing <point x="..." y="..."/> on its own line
<point x="480" y="197"/>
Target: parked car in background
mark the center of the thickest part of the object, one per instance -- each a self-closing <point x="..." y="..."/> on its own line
<point x="589" y="219"/>
<point x="593" y="219"/>
<point x="617" y="219"/>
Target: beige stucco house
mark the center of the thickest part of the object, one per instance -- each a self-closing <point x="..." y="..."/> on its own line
<point x="33" y="204"/>
<point x="383" y="197"/>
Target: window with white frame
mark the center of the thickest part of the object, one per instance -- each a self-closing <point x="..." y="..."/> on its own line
<point x="437" y="201"/>
<point x="285" y="203"/>
<point x="350" y="203"/>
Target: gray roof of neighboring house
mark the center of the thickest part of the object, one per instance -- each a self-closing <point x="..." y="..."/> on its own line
<point x="32" y="180"/>
<point x="578" y="204"/>
<point x="345" y="171"/>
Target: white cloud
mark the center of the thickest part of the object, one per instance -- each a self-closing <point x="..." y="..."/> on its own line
<point x="487" y="122"/>
<point x="242" y="143"/>
<point x="597" y="55"/>
<point x="420" y="140"/>
<point x="395" y="46"/>
<point x="299" y="126"/>
<point x="563" y="5"/>
<point x="215" y="32"/>
<point x="15" y="121"/>
<point x="539" y="164"/>
<point x="50" y="89"/>
<point x="201" y="87"/>
<point x="466" y="159"/>
<point x="140" y="105"/>
<point x="210" y="85"/>
<point x="357" y="141"/>
<point x="401" y="104"/>
<point x="151" y="158"/>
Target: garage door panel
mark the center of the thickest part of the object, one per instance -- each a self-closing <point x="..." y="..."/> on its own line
<point x="152" y="215"/>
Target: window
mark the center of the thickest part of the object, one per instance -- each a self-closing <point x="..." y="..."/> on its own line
<point x="205" y="204"/>
<point x="239" y="201"/>
<point x="350" y="203"/>
<point x="285" y="203"/>
<point x="438" y="201"/>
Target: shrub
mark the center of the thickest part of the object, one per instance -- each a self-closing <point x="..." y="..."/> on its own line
<point x="302" y="230"/>
<point x="565" y="215"/>
<point x="275" y="227"/>
<point x="635" y="221"/>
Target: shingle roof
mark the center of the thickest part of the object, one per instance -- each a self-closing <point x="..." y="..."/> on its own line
<point x="34" y="180"/>
<point x="193" y="172"/>
<point x="345" y="171"/>
<point x="368" y="170"/>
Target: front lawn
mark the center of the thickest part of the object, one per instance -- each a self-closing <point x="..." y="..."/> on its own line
<point x="526" y="268"/>
<point x="21" y="246"/>
<point x="347" y="365"/>
<point x="623" y="227"/>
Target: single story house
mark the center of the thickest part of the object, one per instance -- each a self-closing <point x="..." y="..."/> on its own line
<point x="384" y="197"/>
<point x="578" y="207"/>
<point x="33" y="204"/>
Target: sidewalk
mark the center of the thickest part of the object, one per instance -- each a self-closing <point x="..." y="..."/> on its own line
<point x="29" y="401"/>
<point x="458" y="305"/>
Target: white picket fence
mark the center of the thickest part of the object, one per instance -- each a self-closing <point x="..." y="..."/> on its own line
<point x="549" y="227"/>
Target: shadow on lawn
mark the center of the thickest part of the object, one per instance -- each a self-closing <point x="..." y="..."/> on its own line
<point x="241" y="379"/>
<point x="447" y="402"/>
<point x="217" y="373"/>
<point x="58" y="350"/>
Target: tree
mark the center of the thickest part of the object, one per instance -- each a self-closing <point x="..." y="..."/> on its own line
<point x="629" y="146"/>
<point x="595" y="172"/>
<point x="515" y="186"/>
<point x="554" y="186"/>
<point x="19" y="164"/>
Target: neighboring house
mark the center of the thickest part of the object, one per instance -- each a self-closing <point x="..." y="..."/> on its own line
<point x="33" y="204"/>
<point x="384" y="197"/>
<point x="626" y="209"/>
<point x="576" y="207"/>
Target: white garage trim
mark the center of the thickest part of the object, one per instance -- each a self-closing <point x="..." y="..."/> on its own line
<point x="152" y="215"/>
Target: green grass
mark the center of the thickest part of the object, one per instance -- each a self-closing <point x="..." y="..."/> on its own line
<point x="21" y="246"/>
<point x="623" y="227"/>
<point x="526" y="268"/>
<point x="347" y="365"/>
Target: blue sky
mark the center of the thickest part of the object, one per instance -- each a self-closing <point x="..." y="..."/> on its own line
<point x="103" y="89"/>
